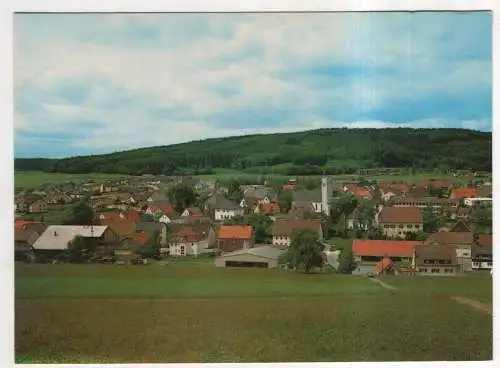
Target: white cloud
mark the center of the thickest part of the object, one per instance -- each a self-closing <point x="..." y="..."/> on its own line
<point x="243" y="54"/>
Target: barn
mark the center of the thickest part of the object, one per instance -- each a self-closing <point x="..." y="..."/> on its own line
<point x="261" y="257"/>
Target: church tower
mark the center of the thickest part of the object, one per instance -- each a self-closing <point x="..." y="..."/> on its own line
<point x="325" y="200"/>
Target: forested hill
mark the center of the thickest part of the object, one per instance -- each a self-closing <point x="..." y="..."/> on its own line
<point x="334" y="151"/>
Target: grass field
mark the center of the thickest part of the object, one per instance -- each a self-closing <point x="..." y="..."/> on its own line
<point x="29" y="179"/>
<point x="33" y="179"/>
<point x="224" y="174"/>
<point x="194" y="312"/>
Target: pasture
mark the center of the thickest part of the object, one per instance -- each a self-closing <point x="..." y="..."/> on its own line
<point x="34" y="179"/>
<point x="194" y="312"/>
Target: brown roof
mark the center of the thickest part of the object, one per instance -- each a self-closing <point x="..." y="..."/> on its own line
<point x="402" y="215"/>
<point x="286" y="227"/>
<point x="433" y="252"/>
<point x="451" y="238"/>
<point x="120" y="226"/>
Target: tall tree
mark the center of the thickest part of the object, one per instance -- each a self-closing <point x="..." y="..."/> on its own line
<point x="81" y="214"/>
<point x="234" y="191"/>
<point x="347" y="264"/>
<point x="181" y="196"/>
<point x="285" y="199"/>
<point x="305" y="251"/>
<point x="431" y="222"/>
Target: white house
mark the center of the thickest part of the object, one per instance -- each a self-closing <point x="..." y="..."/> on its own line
<point x="482" y="200"/>
<point x="186" y="242"/>
<point x="224" y="209"/>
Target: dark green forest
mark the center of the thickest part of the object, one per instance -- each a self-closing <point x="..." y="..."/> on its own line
<point x="333" y="151"/>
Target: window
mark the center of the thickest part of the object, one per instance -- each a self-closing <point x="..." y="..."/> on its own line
<point x="401" y="226"/>
<point x="386" y="226"/>
<point x="417" y="226"/>
<point x="424" y="270"/>
<point x="183" y="249"/>
<point x="435" y="270"/>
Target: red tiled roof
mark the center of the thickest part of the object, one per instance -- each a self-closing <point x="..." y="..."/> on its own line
<point x="268" y="208"/>
<point x="18" y="224"/>
<point x="485" y="240"/>
<point x="401" y="215"/>
<point x="381" y="248"/>
<point x="235" y="232"/>
<point x="464" y="193"/>
<point x="362" y="193"/>
<point x="133" y="215"/>
<point x="288" y="186"/>
<point x="187" y="233"/>
<point x="141" y="238"/>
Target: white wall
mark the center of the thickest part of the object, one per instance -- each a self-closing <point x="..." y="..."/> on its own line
<point x="220" y="214"/>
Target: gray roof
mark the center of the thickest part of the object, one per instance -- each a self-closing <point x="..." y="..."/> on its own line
<point x="260" y="193"/>
<point x="307" y="196"/>
<point x="58" y="236"/>
<point x="264" y="251"/>
<point x="221" y="202"/>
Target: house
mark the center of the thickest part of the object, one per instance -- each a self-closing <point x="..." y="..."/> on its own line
<point x="368" y="253"/>
<point x="36" y="206"/>
<point x="55" y="238"/>
<point x="223" y="209"/>
<point x="260" y="194"/>
<point x="157" y="210"/>
<point x="470" y="202"/>
<point x="308" y="198"/>
<point x="235" y="237"/>
<point x="187" y="242"/>
<point x="157" y="231"/>
<point x="267" y="208"/>
<point x="398" y="221"/>
<point x="288" y="187"/>
<point x="436" y="260"/>
<point x="157" y="199"/>
<point x="263" y="256"/>
<point x="387" y="193"/>
<point x="462" y="243"/>
<point x="353" y="221"/>
<point x="25" y="234"/>
<point x="461" y="227"/>
<point x="283" y="230"/>
<point x="124" y="228"/>
<point x="437" y="204"/>
<point x="192" y="212"/>
<point x="126" y="251"/>
<point x="461" y="193"/>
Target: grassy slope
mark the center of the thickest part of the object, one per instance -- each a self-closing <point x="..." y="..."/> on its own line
<point x="33" y="179"/>
<point x="234" y="316"/>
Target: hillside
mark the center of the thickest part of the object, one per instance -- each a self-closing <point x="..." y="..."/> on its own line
<point x="335" y="151"/>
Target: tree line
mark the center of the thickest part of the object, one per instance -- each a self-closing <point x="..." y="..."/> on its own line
<point x="330" y="151"/>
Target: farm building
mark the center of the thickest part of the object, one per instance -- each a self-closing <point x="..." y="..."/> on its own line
<point x="436" y="260"/>
<point x="368" y="253"/>
<point x="262" y="257"/>
<point x="55" y="238"/>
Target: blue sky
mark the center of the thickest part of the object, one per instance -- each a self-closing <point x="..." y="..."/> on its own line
<point x="96" y="83"/>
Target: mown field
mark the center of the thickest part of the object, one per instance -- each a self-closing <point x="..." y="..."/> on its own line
<point x="194" y="312"/>
<point x="33" y="179"/>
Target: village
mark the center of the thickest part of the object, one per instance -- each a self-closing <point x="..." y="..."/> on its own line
<point x="427" y="227"/>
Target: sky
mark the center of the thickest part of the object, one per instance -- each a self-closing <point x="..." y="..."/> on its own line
<point x="99" y="83"/>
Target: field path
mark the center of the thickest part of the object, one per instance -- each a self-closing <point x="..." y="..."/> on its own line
<point x="473" y="304"/>
<point x="383" y="284"/>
